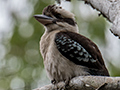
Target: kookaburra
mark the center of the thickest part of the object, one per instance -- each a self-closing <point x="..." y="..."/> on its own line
<point x="67" y="53"/>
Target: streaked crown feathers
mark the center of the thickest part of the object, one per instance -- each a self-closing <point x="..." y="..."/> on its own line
<point x="57" y="12"/>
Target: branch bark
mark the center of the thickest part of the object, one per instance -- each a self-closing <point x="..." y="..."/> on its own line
<point x="110" y="9"/>
<point x="88" y="83"/>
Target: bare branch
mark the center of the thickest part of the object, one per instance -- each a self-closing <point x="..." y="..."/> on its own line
<point x="88" y="83"/>
<point x="109" y="9"/>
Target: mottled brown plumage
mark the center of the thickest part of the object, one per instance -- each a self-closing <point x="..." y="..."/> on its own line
<point x="67" y="53"/>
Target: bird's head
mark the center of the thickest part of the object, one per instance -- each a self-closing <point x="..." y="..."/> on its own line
<point x="56" y="18"/>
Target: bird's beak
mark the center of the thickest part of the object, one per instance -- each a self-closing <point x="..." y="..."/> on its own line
<point x="43" y="19"/>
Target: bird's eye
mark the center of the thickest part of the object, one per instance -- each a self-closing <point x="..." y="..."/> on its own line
<point x="58" y="16"/>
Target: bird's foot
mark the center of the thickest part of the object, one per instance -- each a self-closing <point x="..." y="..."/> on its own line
<point x="53" y="81"/>
<point x="64" y="85"/>
<point x="61" y="85"/>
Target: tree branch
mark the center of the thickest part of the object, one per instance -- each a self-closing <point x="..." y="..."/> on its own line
<point x="109" y="9"/>
<point x="88" y="83"/>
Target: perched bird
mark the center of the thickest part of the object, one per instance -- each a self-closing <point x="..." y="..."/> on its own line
<point x="67" y="53"/>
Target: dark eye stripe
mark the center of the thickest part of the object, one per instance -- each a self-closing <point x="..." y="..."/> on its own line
<point x="69" y="21"/>
<point x="62" y="19"/>
<point x="58" y="16"/>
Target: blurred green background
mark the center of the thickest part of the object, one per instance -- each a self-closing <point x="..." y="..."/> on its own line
<point x="21" y="64"/>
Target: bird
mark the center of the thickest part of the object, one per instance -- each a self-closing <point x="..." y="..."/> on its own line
<point x="66" y="53"/>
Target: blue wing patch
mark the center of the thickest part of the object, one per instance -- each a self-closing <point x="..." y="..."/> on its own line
<point x="72" y="50"/>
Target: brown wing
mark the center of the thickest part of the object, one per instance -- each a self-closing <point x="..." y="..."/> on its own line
<point x="80" y="50"/>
